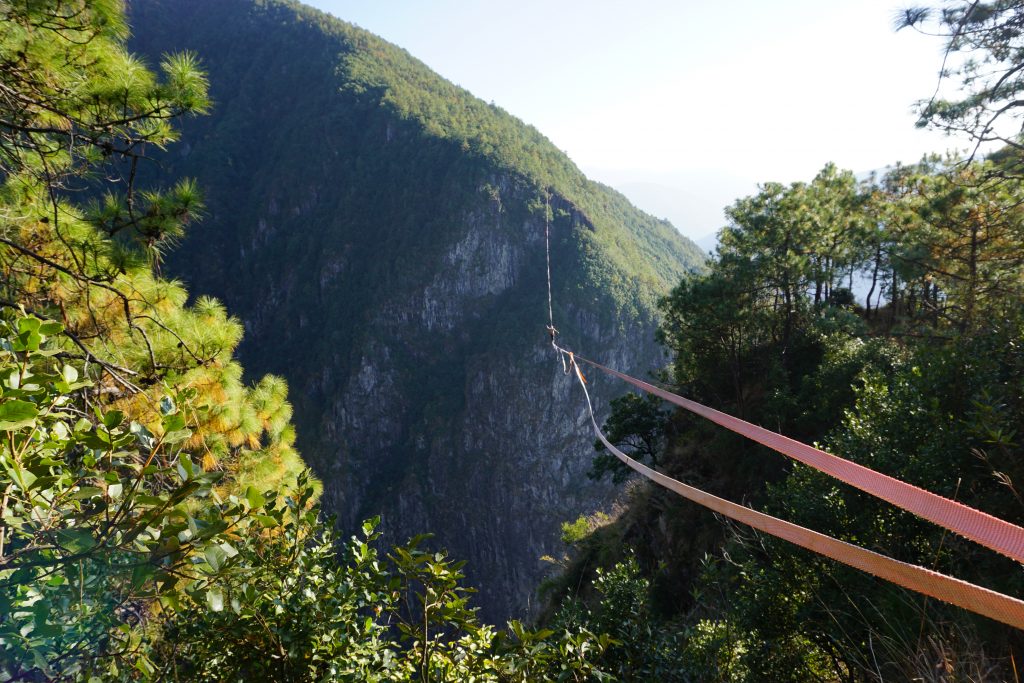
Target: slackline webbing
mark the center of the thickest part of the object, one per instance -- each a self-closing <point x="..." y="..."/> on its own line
<point x="978" y="599"/>
<point x="980" y="527"/>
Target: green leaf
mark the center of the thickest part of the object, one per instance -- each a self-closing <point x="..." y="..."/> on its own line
<point x="267" y="521"/>
<point x="170" y="600"/>
<point x="21" y="476"/>
<point x="215" y="557"/>
<point x="76" y="540"/>
<point x="186" y="470"/>
<point x="184" y="491"/>
<point x="16" y="414"/>
<point x="87" y="492"/>
<point x="167" y="405"/>
<point x="173" y="422"/>
<point x="142" y="435"/>
<point x="255" y="498"/>
<point x="29" y="324"/>
<point x="112" y="418"/>
<point x="69" y="374"/>
<point x="60" y="431"/>
<point x="215" y="598"/>
<point x="142" y="574"/>
<point x="29" y="340"/>
<point x="99" y="440"/>
<point x="370" y="525"/>
<point x="145" y="666"/>
<point x="177" y="436"/>
<point x="43" y="482"/>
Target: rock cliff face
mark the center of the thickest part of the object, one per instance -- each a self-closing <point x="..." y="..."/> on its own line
<point x="381" y="235"/>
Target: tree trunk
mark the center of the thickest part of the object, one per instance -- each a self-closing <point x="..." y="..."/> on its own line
<point x="874" y="281"/>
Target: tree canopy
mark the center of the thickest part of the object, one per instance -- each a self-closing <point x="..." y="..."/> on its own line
<point x="984" y="63"/>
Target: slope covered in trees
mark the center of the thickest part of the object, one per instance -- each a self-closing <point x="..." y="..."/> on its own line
<point x="380" y="232"/>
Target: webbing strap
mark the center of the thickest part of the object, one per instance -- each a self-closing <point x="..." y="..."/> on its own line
<point x="969" y="596"/>
<point x="980" y="527"/>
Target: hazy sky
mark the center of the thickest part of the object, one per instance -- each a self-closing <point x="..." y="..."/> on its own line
<point x="684" y="105"/>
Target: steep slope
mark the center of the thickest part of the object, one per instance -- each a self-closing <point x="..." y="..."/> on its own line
<point x="381" y="234"/>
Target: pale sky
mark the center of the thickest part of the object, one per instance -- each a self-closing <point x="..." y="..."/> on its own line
<point x="684" y="105"/>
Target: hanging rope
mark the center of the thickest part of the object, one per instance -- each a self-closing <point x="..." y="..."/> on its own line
<point x="547" y="250"/>
<point x="978" y="599"/>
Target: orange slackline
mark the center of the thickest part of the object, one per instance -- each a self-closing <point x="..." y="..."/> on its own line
<point x="1002" y="608"/>
<point x="980" y="527"/>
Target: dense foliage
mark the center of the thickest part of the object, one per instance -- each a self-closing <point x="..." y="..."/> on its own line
<point x="917" y="375"/>
<point x="103" y="519"/>
<point x="123" y="416"/>
<point x="121" y="558"/>
<point x="83" y="113"/>
<point x="296" y="611"/>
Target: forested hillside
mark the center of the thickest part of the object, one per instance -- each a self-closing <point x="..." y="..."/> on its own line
<point x="380" y="233"/>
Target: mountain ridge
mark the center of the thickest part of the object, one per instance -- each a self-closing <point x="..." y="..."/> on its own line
<point x="380" y="232"/>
